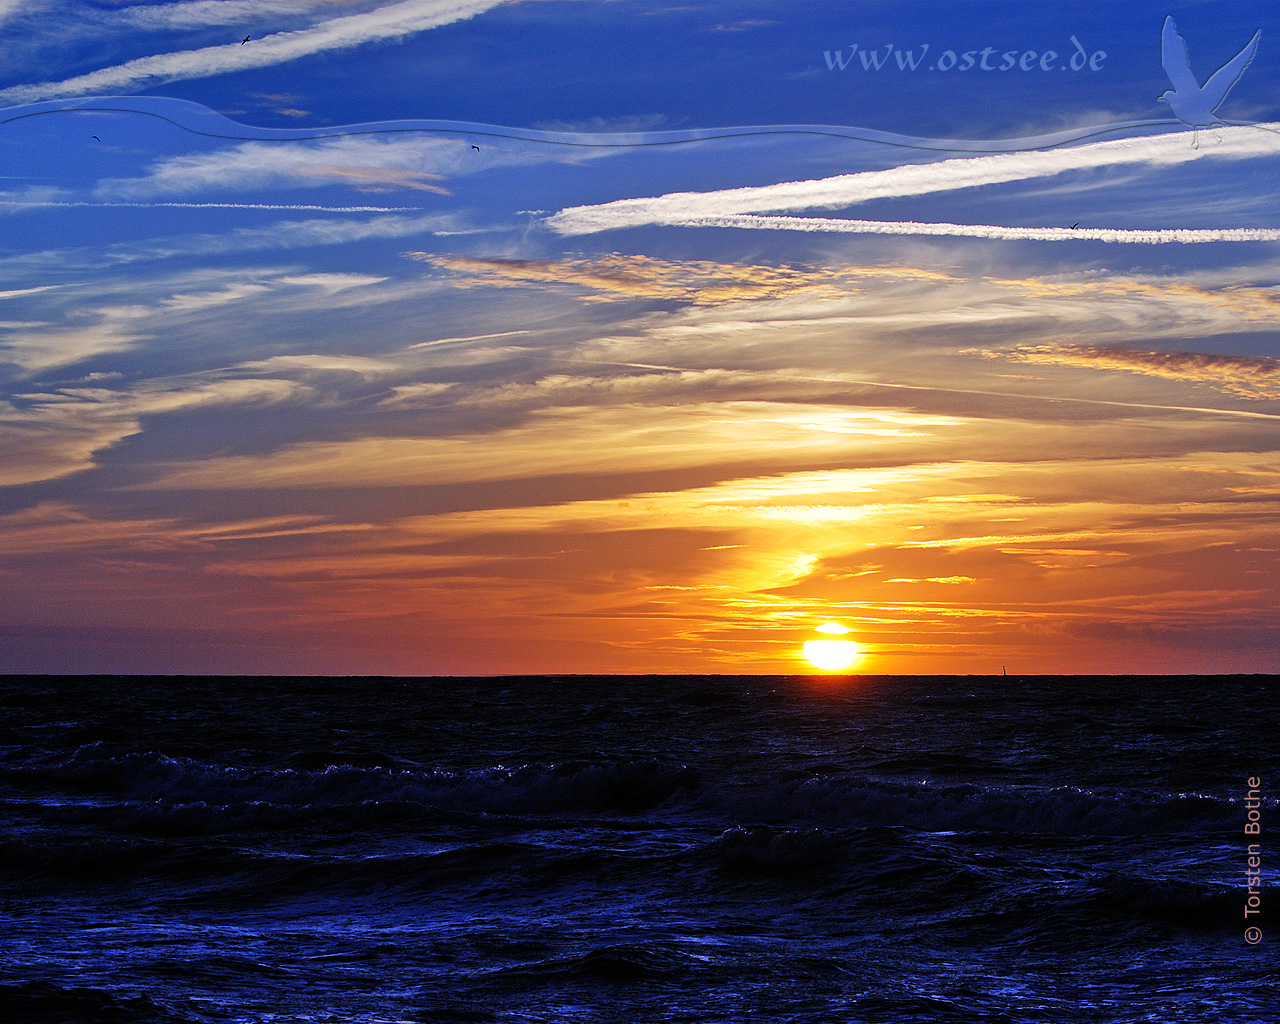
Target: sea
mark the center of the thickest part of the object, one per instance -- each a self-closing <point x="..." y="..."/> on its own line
<point x="639" y="849"/>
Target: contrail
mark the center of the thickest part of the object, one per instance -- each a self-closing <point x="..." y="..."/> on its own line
<point x="907" y="227"/>
<point x="470" y="337"/>
<point x="39" y="204"/>
<point x="381" y="24"/>
<point x="956" y="174"/>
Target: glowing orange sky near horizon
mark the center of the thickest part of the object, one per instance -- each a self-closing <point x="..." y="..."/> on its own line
<point x="711" y="533"/>
<point x="464" y="463"/>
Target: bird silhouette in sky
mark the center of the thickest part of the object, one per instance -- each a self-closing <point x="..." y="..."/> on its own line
<point x="1075" y="225"/>
<point x="1192" y="103"/>
<point x="95" y="138"/>
<point x="476" y="148"/>
<point x="245" y="40"/>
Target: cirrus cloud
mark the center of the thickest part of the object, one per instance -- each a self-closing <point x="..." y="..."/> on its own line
<point x="383" y="24"/>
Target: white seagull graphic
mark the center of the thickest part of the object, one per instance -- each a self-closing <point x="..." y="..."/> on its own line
<point x="1192" y="103"/>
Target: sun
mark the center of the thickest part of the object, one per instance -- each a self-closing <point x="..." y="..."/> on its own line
<point x="832" y="655"/>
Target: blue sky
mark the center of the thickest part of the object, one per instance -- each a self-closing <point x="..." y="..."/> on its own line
<point x="468" y="336"/>
<point x="672" y="65"/>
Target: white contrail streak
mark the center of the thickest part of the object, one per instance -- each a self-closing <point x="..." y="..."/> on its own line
<point x="42" y="204"/>
<point x="392" y="22"/>
<point x="909" y="180"/>
<point x="907" y="227"/>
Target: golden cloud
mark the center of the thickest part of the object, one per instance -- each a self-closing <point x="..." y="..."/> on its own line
<point x="617" y="276"/>
<point x="1245" y="376"/>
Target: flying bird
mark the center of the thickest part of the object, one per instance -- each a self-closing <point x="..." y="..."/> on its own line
<point x="95" y="138"/>
<point x="245" y="40"/>
<point x="1075" y="225"/>
<point x="476" y="148"/>
<point x="1192" y="103"/>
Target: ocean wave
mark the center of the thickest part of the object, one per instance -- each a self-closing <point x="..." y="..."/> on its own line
<point x="970" y="807"/>
<point x="154" y="782"/>
<point x="621" y="963"/>
<point x="766" y="850"/>
<point x="161" y="795"/>
<point x="40" y="1002"/>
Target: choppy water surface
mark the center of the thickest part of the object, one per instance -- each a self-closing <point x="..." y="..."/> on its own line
<point x="633" y="849"/>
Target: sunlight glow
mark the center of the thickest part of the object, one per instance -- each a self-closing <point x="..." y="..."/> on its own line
<point x="831" y="655"/>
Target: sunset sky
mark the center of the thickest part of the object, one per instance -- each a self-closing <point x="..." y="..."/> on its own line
<point x="712" y="340"/>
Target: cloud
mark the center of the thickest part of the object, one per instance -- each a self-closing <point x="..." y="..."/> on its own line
<point x="190" y="302"/>
<point x="203" y="13"/>
<point x="289" y="234"/>
<point x="683" y="208"/>
<point x="744" y="25"/>
<point x="236" y="291"/>
<point x="332" y="283"/>
<point x="568" y="440"/>
<point x="57" y="526"/>
<point x="284" y="103"/>
<point x="1221" y="297"/>
<point x="380" y="179"/>
<point x="1245" y="376"/>
<point x="19" y="292"/>
<point x="120" y="328"/>
<point x="370" y="163"/>
<point x="115" y="331"/>
<point x="625" y="125"/>
<point x="883" y="302"/>
<point x="614" y="276"/>
<point x="934" y="579"/>
<point x="382" y="24"/>
<point x="361" y="365"/>
<point x="54" y="434"/>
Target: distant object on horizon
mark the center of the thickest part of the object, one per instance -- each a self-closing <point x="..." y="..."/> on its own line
<point x="1190" y="102"/>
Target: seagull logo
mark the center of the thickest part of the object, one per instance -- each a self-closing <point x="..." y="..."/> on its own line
<point x="1192" y="103"/>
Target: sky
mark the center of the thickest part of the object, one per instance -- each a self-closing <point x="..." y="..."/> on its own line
<point x="471" y="337"/>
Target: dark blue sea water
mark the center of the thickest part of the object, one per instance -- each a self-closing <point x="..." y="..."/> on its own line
<point x="621" y="849"/>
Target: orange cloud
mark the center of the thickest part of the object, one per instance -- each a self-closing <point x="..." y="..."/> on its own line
<point x="1261" y="304"/>
<point x="1245" y="376"/>
<point x="698" y="282"/>
<point x="920" y="560"/>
